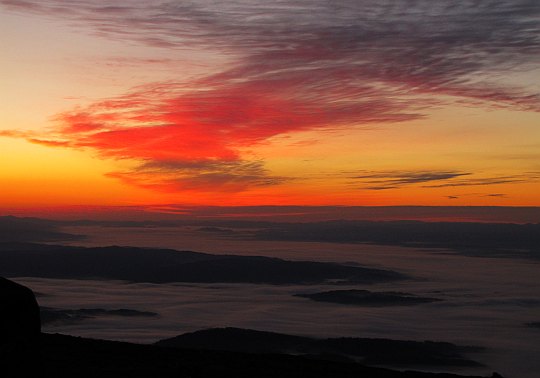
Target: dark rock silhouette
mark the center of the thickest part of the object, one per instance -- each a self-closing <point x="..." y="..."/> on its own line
<point x="19" y="312"/>
<point x="382" y="352"/>
<point x="368" y="298"/>
<point x="67" y="356"/>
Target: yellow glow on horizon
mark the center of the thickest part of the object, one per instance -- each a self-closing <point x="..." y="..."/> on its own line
<point x="34" y="175"/>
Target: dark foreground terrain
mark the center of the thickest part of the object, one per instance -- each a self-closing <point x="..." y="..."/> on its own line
<point x="66" y="356"/>
<point x="382" y="352"/>
<point x="25" y="352"/>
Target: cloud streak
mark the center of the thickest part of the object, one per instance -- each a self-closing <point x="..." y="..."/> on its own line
<point x="384" y="180"/>
<point x="225" y="176"/>
<point x="495" y="180"/>
<point x="396" y="179"/>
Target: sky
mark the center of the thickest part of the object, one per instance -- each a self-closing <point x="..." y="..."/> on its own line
<point x="250" y="103"/>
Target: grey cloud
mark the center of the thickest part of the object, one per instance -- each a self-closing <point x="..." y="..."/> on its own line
<point x="396" y="179"/>
<point x="421" y="47"/>
<point x="494" y="180"/>
<point x="204" y="175"/>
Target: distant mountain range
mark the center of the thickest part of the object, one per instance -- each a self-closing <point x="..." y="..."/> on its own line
<point x="164" y="265"/>
<point x="477" y="239"/>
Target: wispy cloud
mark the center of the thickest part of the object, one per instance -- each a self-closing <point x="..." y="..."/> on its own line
<point x="12" y="134"/>
<point x="296" y="66"/>
<point x="396" y="179"/>
<point x="214" y="175"/>
<point x="423" y="47"/>
<point x="384" y="180"/>
<point x="493" y="180"/>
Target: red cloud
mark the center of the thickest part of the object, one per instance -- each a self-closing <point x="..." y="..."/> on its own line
<point x="214" y="124"/>
<point x="191" y="139"/>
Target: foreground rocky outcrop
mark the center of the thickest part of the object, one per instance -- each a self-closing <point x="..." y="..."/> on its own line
<point x="19" y="313"/>
<point x="67" y="356"/>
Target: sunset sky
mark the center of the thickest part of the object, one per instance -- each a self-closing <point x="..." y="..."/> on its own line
<point x="368" y="103"/>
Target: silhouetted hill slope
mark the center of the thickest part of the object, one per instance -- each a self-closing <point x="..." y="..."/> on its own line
<point x="15" y="229"/>
<point x="368" y="351"/>
<point x="236" y="339"/>
<point x="164" y="265"/>
<point x="66" y="356"/>
<point x="19" y="312"/>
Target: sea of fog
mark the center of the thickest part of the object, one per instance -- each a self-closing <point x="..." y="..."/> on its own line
<point x="486" y="301"/>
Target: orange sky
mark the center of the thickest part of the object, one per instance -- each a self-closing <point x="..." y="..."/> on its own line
<point x="357" y="104"/>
